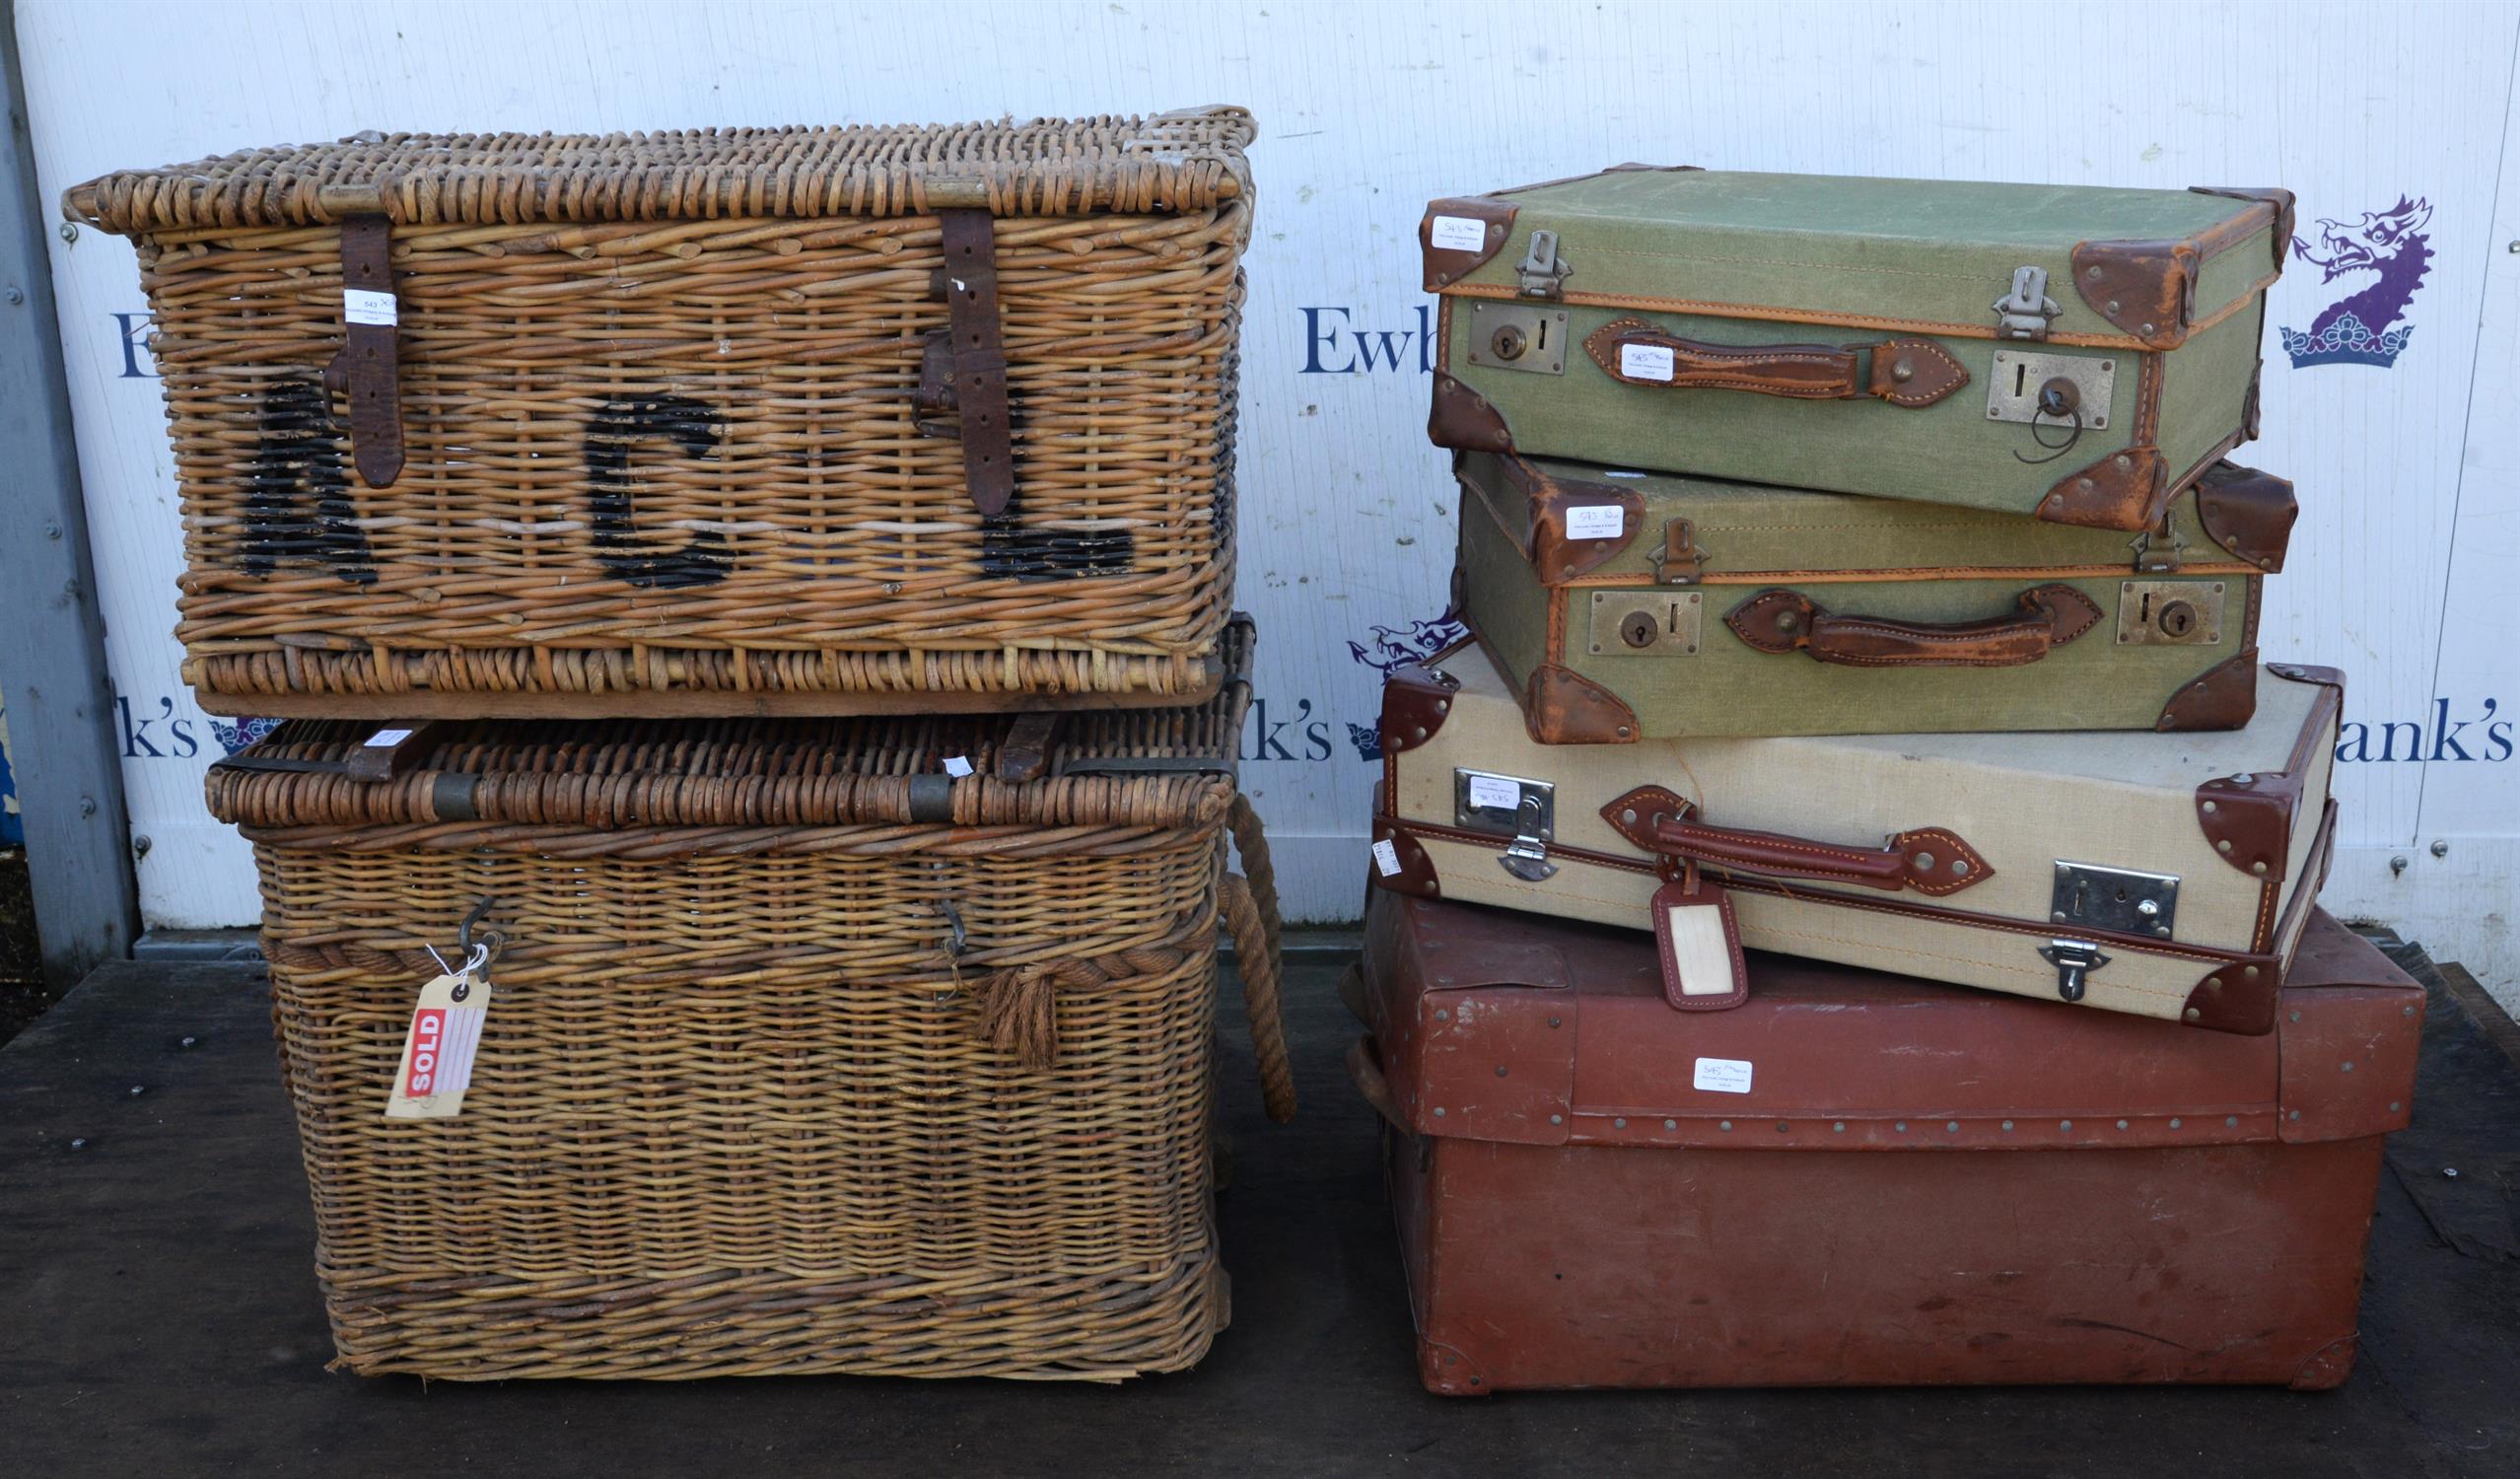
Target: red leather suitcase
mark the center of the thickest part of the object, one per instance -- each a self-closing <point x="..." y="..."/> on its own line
<point x="1862" y="1179"/>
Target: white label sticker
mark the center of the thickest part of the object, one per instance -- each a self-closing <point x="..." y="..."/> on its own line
<point x="1386" y="857"/>
<point x="1596" y="520"/>
<point x="1723" y="1075"/>
<point x="383" y="737"/>
<point x="956" y="765"/>
<point x="1495" y="790"/>
<point x="1644" y="361"/>
<point x="1619" y="472"/>
<point x="359" y="306"/>
<point x="1458" y="234"/>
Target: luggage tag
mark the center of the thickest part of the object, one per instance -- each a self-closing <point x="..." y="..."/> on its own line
<point x="1700" y="943"/>
<point x="445" y="1037"/>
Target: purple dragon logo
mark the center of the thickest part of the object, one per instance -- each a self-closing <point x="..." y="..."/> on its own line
<point x="2364" y="328"/>
<point x="234" y="734"/>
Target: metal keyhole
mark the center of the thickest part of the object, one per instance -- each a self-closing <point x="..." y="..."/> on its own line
<point x="2177" y="618"/>
<point x="2058" y="397"/>
<point x="1508" y="343"/>
<point x="1639" y="629"/>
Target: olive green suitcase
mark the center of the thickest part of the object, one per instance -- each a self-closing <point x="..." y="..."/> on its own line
<point x="1626" y="606"/>
<point x="2074" y="352"/>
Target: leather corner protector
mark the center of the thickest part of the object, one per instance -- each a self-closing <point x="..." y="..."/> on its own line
<point x="1445" y="1372"/>
<point x="2282" y="201"/>
<point x="2124" y="490"/>
<point x="2249" y="818"/>
<point x="1555" y="557"/>
<point x="1637" y="814"/>
<point x="1914" y="372"/>
<point x="2222" y="697"/>
<point x="1561" y="707"/>
<point x="2147" y="289"/>
<point x="2310" y="672"/>
<point x="2252" y="407"/>
<point x="1463" y="419"/>
<point x="2238" y="998"/>
<point x="2328" y="1365"/>
<point x="2248" y="513"/>
<point x="1447" y="265"/>
<point x="1416" y="700"/>
<point x="1940" y="860"/>
<point x="1417" y="875"/>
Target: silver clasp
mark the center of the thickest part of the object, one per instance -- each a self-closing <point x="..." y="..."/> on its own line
<point x="1542" y="272"/>
<point x="2023" y="313"/>
<point x="2075" y="960"/>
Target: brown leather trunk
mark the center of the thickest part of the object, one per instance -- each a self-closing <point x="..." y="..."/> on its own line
<point x="1593" y="1189"/>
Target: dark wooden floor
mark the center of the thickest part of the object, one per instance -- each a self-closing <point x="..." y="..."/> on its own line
<point x="158" y="1317"/>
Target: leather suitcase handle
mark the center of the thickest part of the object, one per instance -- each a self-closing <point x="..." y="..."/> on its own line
<point x="1927" y="860"/>
<point x="1365" y="1070"/>
<point x="2044" y="619"/>
<point x="1903" y="371"/>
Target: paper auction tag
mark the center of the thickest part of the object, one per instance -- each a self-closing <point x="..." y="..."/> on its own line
<point x="1596" y="520"/>
<point x="366" y="305"/>
<point x="1386" y="857"/>
<point x="439" y="1048"/>
<point x="1457" y="233"/>
<point x="1644" y="361"/>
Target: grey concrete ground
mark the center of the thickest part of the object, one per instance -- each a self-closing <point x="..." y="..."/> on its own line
<point x="159" y="1317"/>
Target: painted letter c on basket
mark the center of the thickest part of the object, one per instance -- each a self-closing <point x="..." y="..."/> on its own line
<point x="693" y="426"/>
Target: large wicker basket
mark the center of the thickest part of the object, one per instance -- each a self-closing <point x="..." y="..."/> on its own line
<point x="803" y="1055"/>
<point x="725" y="422"/>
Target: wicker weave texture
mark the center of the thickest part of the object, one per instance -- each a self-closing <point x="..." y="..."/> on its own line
<point x="656" y="395"/>
<point x="738" y="1113"/>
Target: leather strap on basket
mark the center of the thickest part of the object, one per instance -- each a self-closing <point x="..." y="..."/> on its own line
<point x="1908" y="372"/>
<point x="979" y="357"/>
<point x="366" y="372"/>
<point x="1928" y="859"/>
<point x="2046" y="617"/>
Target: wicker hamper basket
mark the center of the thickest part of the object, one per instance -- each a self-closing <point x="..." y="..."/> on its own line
<point x="803" y="1056"/>
<point x="722" y="422"/>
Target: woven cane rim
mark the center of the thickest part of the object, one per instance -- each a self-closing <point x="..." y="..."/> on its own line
<point x="1189" y="160"/>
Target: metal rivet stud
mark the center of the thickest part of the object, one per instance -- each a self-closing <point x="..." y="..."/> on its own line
<point x="2122" y="1124"/>
<point x="1924" y="860"/>
<point x="1501" y="1073"/>
<point x="2346" y="1067"/>
<point x="1671" y="1124"/>
<point x="1782" y="1127"/>
<point x="1443" y="1015"/>
<point x="1838" y="1128"/>
<point x="1438" y="1111"/>
<point x="2094" y="276"/>
<point x="1557" y="1119"/>
<point x="2007" y="1125"/>
<point x="1952" y="1126"/>
<point x="2296" y="1017"/>
<point x="2207" y="808"/>
<point x="2122" y="461"/>
<point x="2231" y="1122"/>
<point x="2249" y="971"/>
<point x="2258" y="868"/>
<point x="2192" y="1015"/>
<point x="2394" y="1106"/>
<point x="1901" y="1127"/>
<point x="1554" y="1021"/>
<point x="1902" y="371"/>
<point x="2295" y="1114"/>
<point x="2175" y="1123"/>
<point x="2112" y="305"/>
<point x="2064" y="1124"/>
<point x="1725" y="1125"/>
<point x="1618" y="1124"/>
<point x="2223" y="846"/>
<point x="1628" y="817"/>
<point x="2147" y="328"/>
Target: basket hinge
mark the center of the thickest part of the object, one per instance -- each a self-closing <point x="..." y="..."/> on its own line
<point x="367" y="371"/>
<point x="963" y="376"/>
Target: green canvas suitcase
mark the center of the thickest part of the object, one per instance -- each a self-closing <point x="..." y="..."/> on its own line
<point x="1624" y="605"/>
<point x="2071" y="351"/>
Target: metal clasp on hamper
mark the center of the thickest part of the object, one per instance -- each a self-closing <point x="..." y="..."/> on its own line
<point x="1543" y="273"/>
<point x="2075" y="960"/>
<point x="2023" y="312"/>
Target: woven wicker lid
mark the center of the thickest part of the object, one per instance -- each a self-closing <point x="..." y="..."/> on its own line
<point x="1184" y="161"/>
<point x="1086" y="769"/>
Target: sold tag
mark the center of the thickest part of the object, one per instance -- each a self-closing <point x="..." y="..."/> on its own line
<point x="1458" y="234"/>
<point x="1596" y="520"/>
<point x="438" y="1050"/>
<point x="1721" y="1074"/>
<point x="1495" y="792"/>
<point x="1386" y="857"/>
<point x="365" y="306"/>
<point x="1644" y="361"/>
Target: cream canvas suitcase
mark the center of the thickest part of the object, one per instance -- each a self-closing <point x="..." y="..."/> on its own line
<point x="2167" y="875"/>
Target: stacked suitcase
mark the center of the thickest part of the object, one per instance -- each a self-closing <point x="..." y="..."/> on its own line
<point x="1865" y="609"/>
<point x="742" y="875"/>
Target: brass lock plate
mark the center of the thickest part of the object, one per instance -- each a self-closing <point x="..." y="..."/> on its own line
<point x="1519" y="336"/>
<point x="1645" y="624"/>
<point x="2015" y="379"/>
<point x="2170" y="614"/>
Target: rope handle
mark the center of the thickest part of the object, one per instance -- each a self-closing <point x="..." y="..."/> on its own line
<point x="1249" y="903"/>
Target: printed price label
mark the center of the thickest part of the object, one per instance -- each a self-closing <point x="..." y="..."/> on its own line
<point x="1721" y="1075"/>
<point x="1596" y="520"/>
<point x="362" y="306"/>
<point x="1495" y="790"/>
<point x="956" y="765"/>
<point x="384" y="739"/>
<point x="1458" y="234"/>
<point x="1387" y="857"/>
<point x="1644" y="361"/>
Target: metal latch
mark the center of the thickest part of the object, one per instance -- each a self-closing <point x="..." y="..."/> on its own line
<point x="2075" y="960"/>
<point x="2123" y="900"/>
<point x="2170" y="614"/>
<point x="1519" y="336"/>
<point x="1509" y="806"/>
<point x="1645" y="623"/>
<point x="1681" y="561"/>
<point x="1543" y="273"/>
<point x="2159" y="551"/>
<point x="2023" y="313"/>
<point x="2050" y="389"/>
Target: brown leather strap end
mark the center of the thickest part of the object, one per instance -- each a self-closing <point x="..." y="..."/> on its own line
<point x="1913" y="373"/>
<point x="367" y="373"/>
<point x="979" y="357"/>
